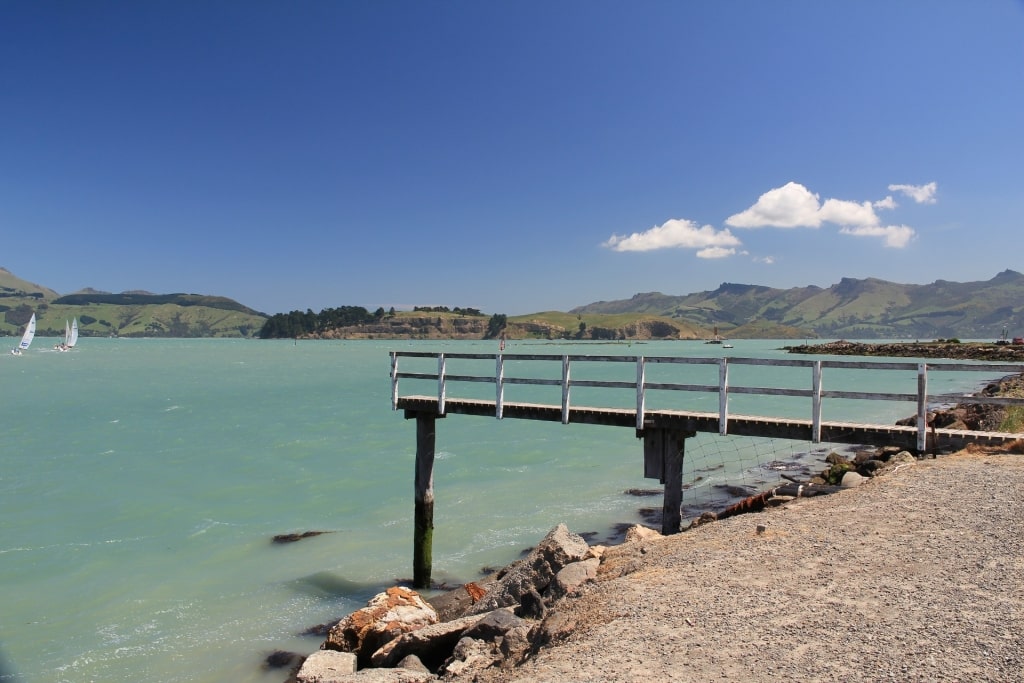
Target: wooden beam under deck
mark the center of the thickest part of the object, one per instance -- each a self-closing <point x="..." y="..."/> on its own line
<point x="739" y="425"/>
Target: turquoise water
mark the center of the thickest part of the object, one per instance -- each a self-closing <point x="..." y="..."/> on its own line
<point x="142" y="481"/>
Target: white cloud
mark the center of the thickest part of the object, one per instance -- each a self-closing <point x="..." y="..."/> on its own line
<point x="767" y="260"/>
<point x="842" y="212"/>
<point x="922" y="194"/>
<point x="793" y="205"/>
<point x="896" y="236"/>
<point x="789" y="206"/>
<point x="715" y="252"/>
<point x="679" y="233"/>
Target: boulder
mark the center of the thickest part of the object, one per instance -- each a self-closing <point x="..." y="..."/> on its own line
<point x="431" y="644"/>
<point x="386" y="616"/>
<point x="454" y="603"/>
<point x="901" y="458"/>
<point x="535" y="572"/>
<point x="531" y="606"/>
<point x="413" y="663"/>
<point x="493" y="626"/>
<point x="851" y="479"/>
<point x="638" y="532"/>
<point x="471" y="655"/>
<point x="515" y="646"/>
<point x="571" y="578"/>
<point x="383" y="676"/>
<point x="326" y="666"/>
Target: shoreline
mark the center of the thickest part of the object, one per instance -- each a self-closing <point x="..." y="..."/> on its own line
<point x="910" y="576"/>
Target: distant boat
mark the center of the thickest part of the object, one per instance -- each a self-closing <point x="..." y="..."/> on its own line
<point x="716" y="340"/>
<point x="26" y="339"/>
<point x="726" y="346"/>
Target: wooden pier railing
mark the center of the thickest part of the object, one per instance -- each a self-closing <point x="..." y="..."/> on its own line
<point x="664" y="430"/>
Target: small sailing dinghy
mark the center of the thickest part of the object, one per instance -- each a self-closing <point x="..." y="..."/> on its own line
<point x="26" y="339"/>
<point x="70" y="336"/>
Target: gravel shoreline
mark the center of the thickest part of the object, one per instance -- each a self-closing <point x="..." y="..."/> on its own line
<point x="914" y="576"/>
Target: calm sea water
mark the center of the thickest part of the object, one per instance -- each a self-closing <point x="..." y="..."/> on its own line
<point x="142" y="482"/>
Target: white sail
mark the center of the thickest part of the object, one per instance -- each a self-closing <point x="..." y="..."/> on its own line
<point x="72" y="337"/>
<point x="30" y="333"/>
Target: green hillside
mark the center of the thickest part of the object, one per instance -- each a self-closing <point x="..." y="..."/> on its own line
<point x="130" y="314"/>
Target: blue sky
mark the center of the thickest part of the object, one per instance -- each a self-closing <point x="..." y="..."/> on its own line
<point x="509" y="156"/>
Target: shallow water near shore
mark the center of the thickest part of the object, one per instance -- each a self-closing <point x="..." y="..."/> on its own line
<point x="143" y="480"/>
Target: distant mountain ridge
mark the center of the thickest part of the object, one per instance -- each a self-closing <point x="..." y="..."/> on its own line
<point x="130" y="314"/>
<point x="852" y="308"/>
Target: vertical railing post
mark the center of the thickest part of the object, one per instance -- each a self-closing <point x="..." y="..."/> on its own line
<point x="922" y="407"/>
<point x="499" y="382"/>
<point x="641" y="397"/>
<point x="423" y="520"/>
<point x="394" y="380"/>
<point x="816" y="402"/>
<point x="565" y="390"/>
<point x="441" y="388"/>
<point x="723" y="396"/>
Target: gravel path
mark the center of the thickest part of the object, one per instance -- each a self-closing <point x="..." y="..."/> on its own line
<point x="914" y="576"/>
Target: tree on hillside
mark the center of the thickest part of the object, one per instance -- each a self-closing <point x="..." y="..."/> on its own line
<point x="496" y="325"/>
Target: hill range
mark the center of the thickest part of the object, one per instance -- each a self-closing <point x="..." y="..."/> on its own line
<point x="128" y="314"/>
<point x="851" y="309"/>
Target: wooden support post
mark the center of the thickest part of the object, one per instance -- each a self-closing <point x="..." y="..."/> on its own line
<point x="423" y="529"/>
<point x="922" y="408"/>
<point x="671" y="510"/>
<point x="654" y="454"/>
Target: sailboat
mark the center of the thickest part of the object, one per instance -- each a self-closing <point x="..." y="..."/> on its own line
<point x="26" y="339"/>
<point x="70" y="336"/>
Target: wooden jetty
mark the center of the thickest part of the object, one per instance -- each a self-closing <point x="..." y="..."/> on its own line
<point x="664" y="430"/>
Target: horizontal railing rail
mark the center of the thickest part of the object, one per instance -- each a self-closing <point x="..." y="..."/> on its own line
<point x="723" y="388"/>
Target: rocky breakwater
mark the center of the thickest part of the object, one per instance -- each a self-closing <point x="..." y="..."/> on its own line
<point x="400" y="636"/>
<point x="972" y="416"/>
<point x="1007" y="353"/>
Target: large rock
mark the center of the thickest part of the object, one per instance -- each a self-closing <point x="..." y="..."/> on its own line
<point x="535" y="572"/>
<point x="454" y="603"/>
<point x="326" y="666"/>
<point x="431" y="644"/>
<point x="570" y="579"/>
<point x="383" y="676"/>
<point x="386" y="616"/>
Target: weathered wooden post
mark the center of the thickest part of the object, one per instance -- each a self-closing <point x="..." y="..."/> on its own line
<point x="423" y="525"/>
<point x="671" y="513"/>
<point x="664" y="450"/>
